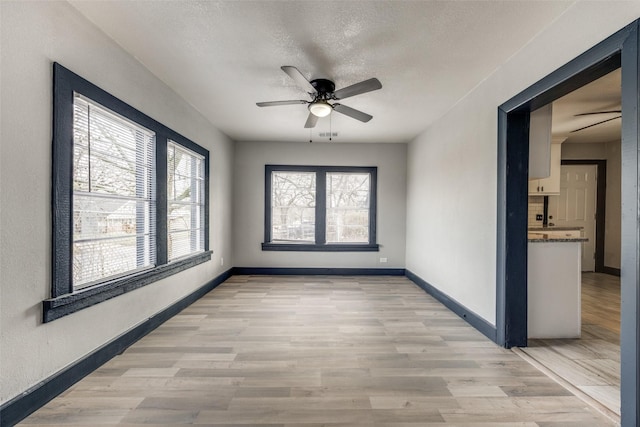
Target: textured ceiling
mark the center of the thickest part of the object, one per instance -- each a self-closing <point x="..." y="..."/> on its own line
<point x="224" y="56"/>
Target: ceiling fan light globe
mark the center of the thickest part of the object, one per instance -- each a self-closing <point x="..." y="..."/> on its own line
<point x="320" y="108"/>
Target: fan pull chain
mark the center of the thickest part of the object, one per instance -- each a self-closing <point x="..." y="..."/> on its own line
<point x="330" y="131"/>
<point x="310" y="140"/>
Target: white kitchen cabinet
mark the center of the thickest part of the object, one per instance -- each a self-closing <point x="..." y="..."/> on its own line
<point x="551" y="184"/>
<point x="540" y="142"/>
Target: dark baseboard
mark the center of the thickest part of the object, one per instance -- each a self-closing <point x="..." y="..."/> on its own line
<point x="28" y="402"/>
<point x="319" y="271"/>
<point x="610" y="270"/>
<point x="470" y="317"/>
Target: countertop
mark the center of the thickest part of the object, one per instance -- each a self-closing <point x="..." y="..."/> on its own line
<point x="553" y="228"/>
<point x="550" y="234"/>
<point x="542" y="238"/>
<point x="557" y="240"/>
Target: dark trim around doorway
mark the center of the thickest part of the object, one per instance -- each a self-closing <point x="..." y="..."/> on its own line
<point x="619" y="50"/>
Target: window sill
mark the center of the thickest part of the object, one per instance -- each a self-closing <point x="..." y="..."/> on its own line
<point x="330" y="247"/>
<point x="54" y="308"/>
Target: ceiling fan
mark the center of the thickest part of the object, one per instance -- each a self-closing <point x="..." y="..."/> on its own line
<point x="618" y="112"/>
<point x="322" y="91"/>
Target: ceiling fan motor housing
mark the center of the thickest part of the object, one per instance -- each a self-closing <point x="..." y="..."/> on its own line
<point x="323" y="86"/>
<point x="319" y="106"/>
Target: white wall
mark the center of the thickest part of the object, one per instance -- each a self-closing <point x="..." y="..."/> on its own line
<point x="594" y="151"/>
<point x="34" y="34"/>
<point x="451" y="189"/>
<point x="250" y="159"/>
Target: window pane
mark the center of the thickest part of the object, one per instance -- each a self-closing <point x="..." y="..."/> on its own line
<point x="113" y="195"/>
<point x="185" y="194"/>
<point x="97" y="217"/>
<point x="293" y="201"/>
<point x="93" y="261"/>
<point x="182" y="243"/>
<point x="348" y="207"/>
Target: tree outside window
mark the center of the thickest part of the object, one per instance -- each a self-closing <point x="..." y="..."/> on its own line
<point x="320" y="208"/>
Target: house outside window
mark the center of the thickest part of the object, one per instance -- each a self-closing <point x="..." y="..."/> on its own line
<point x="320" y="208"/>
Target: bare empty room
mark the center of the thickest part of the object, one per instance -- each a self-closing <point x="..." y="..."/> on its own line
<point x="298" y="212"/>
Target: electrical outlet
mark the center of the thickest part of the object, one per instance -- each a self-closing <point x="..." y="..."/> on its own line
<point x="383" y="260"/>
<point x="221" y="261"/>
<point x="538" y="217"/>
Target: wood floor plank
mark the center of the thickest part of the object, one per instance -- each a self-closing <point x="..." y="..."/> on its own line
<point x="592" y="362"/>
<point x="287" y="351"/>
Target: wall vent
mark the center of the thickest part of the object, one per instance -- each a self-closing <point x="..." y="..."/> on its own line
<point x="327" y="134"/>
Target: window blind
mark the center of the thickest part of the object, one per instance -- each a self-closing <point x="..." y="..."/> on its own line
<point x="185" y="201"/>
<point x="113" y="195"/>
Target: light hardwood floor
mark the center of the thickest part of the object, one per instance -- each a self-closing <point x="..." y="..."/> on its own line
<point x="317" y="351"/>
<point x="591" y="363"/>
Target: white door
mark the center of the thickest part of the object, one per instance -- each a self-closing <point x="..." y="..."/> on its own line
<point x="576" y="206"/>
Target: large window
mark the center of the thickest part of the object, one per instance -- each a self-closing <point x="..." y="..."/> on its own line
<point x="320" y="208"/>
<point x="113" y="195"/>
<point x="129" y="198"/>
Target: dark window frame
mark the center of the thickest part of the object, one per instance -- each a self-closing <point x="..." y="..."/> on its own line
<point x="320" y="244"/>
<point x="63" y="299"/>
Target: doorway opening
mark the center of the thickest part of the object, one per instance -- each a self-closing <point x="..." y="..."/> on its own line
<point x="618" y="51"/>
<point x="585" y="202"/>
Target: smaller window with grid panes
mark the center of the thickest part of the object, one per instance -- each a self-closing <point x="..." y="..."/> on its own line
<point x="320" y="208"/>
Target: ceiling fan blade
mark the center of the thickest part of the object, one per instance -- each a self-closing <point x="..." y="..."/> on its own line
<point x="297" y="76"/>
<point x="311" y="121"/>
<point x="598" y="112"/>
<point x="274" y="103"/>
<point x="358" y="88"/>
<point x="595" y="124"/>
<point x="351" y="112"/>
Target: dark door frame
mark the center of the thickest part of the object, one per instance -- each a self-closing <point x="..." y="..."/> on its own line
<point x="601" y="212"/>
<point x="619" y="50"/>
